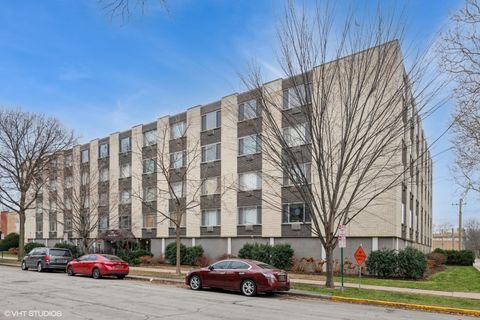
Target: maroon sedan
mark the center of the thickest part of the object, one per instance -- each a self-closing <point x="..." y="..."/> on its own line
<point x="98" y="265"/>
<point x="246" y="276"/>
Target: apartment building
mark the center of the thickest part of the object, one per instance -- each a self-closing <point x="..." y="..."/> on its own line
<point x="206" y="149"/>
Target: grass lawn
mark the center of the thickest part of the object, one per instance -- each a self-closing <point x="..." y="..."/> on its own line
<point x="394" y="296"/>
<point x="454" y="278"/>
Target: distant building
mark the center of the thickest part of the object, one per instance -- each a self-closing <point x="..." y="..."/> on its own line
<point x="8" y="223"/>
<point x="447" y="240"/>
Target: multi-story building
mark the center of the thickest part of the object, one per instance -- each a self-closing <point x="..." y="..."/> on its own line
<point x="224" y="219"/>
<point x="9" y="223"/>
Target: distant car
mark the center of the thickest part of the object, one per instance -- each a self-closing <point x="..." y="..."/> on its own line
<point x="98" y="265"/>
<point x="247" y="276"/>
<point x="47" y="259"/>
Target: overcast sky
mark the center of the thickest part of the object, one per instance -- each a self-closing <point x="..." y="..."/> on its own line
<point x="70" y="60"/>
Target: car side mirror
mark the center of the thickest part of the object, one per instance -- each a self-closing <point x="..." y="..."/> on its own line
<point x="210" y="268"/>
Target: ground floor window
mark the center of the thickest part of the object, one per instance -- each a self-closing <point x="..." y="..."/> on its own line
<point x="124" y="222"/>
<point x="52" y="222"/>
<point x="295" y="212"/>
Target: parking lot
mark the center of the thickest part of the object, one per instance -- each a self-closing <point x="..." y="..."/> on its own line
<point x="55" y="295"/>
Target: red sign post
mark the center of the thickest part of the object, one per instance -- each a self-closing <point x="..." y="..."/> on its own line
<point x="360" y="256"/>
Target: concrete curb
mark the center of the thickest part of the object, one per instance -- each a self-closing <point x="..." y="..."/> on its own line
<point x="466" y="312"/>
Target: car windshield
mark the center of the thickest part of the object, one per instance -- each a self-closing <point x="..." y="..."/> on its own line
<point x="60" y="253"/>
<point x="264" y="265"/>
<point x="112" y="258"/>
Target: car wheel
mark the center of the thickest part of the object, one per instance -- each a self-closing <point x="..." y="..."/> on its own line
<point x="70" y="271"/>
<point x="249" y="288"/>
<point x="24" y="265"/>
<point x="195" y="282"/>
<point x="96" y="273"/>
<point x="39" y="267"/>
<point x="121" y="277"/>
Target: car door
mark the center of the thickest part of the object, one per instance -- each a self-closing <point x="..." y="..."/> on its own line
<point x="89" y="263"/>
<point x="236" y="273"/>
<point x="215" y="277"/>
<point x="80" y="266"/>
<point x="29" y="258"/>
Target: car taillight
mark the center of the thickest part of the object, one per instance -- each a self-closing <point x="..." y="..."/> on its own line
<point x="46" y="259"/>
<point x="270" y="277"/>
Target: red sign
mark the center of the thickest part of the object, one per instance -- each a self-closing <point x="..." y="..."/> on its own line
<point x="360" y="255"/>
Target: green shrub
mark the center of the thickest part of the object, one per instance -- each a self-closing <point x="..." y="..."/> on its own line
<point x="171" y="253"/>
<point x="10" y="241"/>
<point x="411" y="263"/>
<point x="382" y="263"/>
<point x="133" y="257"/>
<point x="31" y="245"/>
<point x="246" y="252"/>
<point x="70" y="246"/>
<point x="192" y="254"/>
<point x="457" y="258"/>
<point x="282" y="255"/>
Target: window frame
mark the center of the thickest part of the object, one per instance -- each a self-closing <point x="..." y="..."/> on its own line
<point x="217" y="189"/>
<point x="129" y="165"/>
<point x="129" y="201"/>
<point x="150" y="160"/>
<point x="259" y="180"/>
<point x="217" y="218"/>
<point x="172" y="156"/>
<point x="103" y="156"/>
<point x="147" y="142"/>
<point x="304" y="219"/>
<point x="218" y="153"/>
<point x="258" y="212"/>
<point x="241" y="145"/>
<point x="218" y="120"/>
<point x="129" y="149"/>
<point x="241" y="110"/>
<point x="84" y="154"/>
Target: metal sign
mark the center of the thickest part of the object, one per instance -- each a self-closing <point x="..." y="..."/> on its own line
<point x="360" y="255"/>
<point x="342" y="236"/>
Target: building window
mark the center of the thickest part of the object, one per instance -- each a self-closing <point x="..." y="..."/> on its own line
<point x="68" y="223"/>
<point x="148" y="220"/>
<point x="296" y="135"/>
<point x="148" y="166"/>
<point x="211" y="152"/>
<point x="296" y="96"/>
<point x="177" y="216"/>
<point x="211" y="120"/>
<point x="68" y="160"/>
<point x="39" y="223"/>
<point x="149" y="194"/>
<point x="86" y="201"/>
<point x="103" y="222"/>
<point x="247" y="110"/>
<point x="295" y="212"/>
<point x="404" y="213"/>
<point x="250" y="181"/>
<point x="125" y="222"/>
<point x="210" y="217"/>
<point x="68" y="203"/>
<point x="177" y="159"/>
<point x="103" y="150"/>
<point x="149" y="138"/>
<point x="84" y="156"/>
<point x="68" y="181"/>
<point x="125" y="197"/>
<point x="249" y="215"/>
<point x="249" y="145"/>
<point x="104" y="174"/>
<point x="299" y="174"/>
<point x="211" y="186"/>
<point x="84" y="178"/>
<point x="177" y="130"/>
<point x="103" y="199"/>
<point x="178" y="190"/>
<point x="52" y="222"/>
<point x="125" y="170"/>
<point x="125" y="145"/>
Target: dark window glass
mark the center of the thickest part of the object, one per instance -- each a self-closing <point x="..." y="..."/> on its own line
<point x="239" y="265"/>
<point x="60" y="253"/>
<point x="221" y="265"/>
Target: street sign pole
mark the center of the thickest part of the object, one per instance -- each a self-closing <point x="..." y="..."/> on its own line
<point x="341" y="264"/>
<point x="342" y="241"/>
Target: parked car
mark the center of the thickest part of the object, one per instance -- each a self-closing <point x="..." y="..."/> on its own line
<point x="98" y="265"/>
<point x="247" y="276"/>
<point x="47" y="259"/>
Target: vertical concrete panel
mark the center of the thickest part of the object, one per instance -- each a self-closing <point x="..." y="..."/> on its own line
<point x="229" y="147"/>
<point x="193" y="217"/>
<point x="60" y="194"/>
<point x="94" y="178"/>
<point x="163" y="138"/>
<point x="114" y="171"/>
<point x="137" y="172"/>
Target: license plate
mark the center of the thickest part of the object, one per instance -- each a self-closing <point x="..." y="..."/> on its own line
<point x="62" y="261"/>
<point x="118" y="267"/>
<point x="282" y="277"/>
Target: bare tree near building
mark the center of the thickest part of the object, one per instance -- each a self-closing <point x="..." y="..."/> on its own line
<point x="336" y="134"/>
<point x="27" y="142"/>
<point x="84" y="210"/>
<point x="460" y="52"/>
<point x="125" y="9"/>
<point x="472" y="236"/>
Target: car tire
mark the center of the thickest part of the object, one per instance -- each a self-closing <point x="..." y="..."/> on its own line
<point x="24" y="266"/>
<point x="40" y="267"/>
<point x="121" y="277"/>
<point x="248" y="288"/>
<point x="96" y="273"/>
<point x="70" y="271"/>
<point x="195" y="282"/>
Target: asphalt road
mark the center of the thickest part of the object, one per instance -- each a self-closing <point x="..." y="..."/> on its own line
<point x="32" y="295"/>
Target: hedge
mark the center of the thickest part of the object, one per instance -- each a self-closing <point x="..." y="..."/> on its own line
<point x="457" y="257"/>
<point x="188" y="255"/>
<point x="279" y="255"/>
<point x="10" y="241"/>
<point x="408" y="263"/>
<point x="133" y="257"/>
<point x="382" y="263"/>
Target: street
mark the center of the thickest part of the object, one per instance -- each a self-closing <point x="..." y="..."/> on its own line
<point x="55" y="295"/>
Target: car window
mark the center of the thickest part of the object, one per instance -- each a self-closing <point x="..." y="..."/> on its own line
<point x="264" y="265"/>
<point x="112" y="258"/>
<point x="33" y="251"/>
<point x="83" y="258"/>
<point x="221" y="265"/>
<point x="60" y="253"/>
<point x="92" y="257"/>
<point x="239" y="265"/>
<point x="42" y="251"/>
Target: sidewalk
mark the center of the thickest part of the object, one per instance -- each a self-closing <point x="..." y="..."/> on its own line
<point x="467" y="295"/>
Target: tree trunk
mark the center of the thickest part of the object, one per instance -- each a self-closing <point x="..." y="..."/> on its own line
<point x="21" y="238"/>
<point x="177" y="244"/>
<point x="329" y="257"/>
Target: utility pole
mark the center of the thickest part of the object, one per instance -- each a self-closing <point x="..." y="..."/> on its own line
<point x="460" y="204"/>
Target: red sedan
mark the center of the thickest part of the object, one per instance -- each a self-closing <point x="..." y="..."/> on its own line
<point x="98" y="265"/>
<point x="246" y="276"/>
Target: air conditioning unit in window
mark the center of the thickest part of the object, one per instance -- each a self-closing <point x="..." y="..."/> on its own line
<point x="249" y="157"/>
<point x="296" y="110"/>
<point x="211" y="132"/>
<point x="249" y="194"/>
<point x="296" y="226"/>
<point x="249" y="227"/>
<point x="177" y="170"/>
<point x="209" y="228"/>
<point x="210" y="196"/>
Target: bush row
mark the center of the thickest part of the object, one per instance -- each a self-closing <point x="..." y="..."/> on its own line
<point x="188" y="255"/>
<point x="457" y="257"/>
<point x="279" y="255"/>
<point x="31" y="245"/>
<point x="408" y="263"/>
<point x="10" y="241"/>
<point x="133" y="257"/>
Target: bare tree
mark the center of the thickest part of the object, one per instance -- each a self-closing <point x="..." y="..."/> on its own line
<point x="27" y="143"/>
<point x="472" y="236"/>
<point x="338" y="133"/>
<point x="460" y="57"/>
<point x="125" y="9"/>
